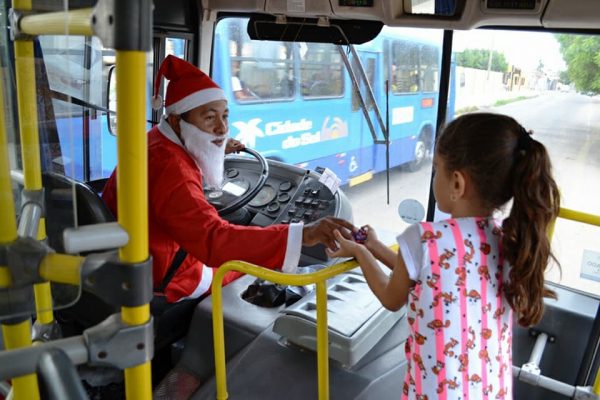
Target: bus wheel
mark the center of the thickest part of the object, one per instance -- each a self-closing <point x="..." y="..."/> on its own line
<point x="419" y="156"/>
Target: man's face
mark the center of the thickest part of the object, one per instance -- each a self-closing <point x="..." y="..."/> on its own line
<point x="211" y="118"/>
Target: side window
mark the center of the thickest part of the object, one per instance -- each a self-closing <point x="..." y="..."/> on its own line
<point x="260" y="70"/>
<point x="321" y="70"/>
<point x="405" y="67"/>
<point x="369" y="66"/>
<point x="430" y="68"/>
<point x="176" y="47"/>
<point x="74" y="67"/>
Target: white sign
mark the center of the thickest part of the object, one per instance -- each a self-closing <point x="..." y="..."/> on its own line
<point x="331" y="180"/>
<point x="403" y="115"/>
<point x="411" y="211"/>
<point x="590" y="265"/>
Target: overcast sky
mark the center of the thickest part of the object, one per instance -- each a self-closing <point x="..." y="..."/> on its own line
<point x="523" y="49"/>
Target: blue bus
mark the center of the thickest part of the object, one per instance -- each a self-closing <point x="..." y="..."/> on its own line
<point x="295" y="102"/>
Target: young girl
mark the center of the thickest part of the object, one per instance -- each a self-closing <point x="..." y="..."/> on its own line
<point x="464" y="277"/>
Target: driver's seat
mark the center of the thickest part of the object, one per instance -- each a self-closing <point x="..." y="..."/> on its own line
<point x="58" y="197"/>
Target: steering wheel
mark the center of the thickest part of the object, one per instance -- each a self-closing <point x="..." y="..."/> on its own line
<point x="250" y="194"/>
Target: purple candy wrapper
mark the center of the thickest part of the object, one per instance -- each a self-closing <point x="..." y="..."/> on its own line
<point x="360" y="235"/>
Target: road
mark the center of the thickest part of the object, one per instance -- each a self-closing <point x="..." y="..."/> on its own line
<point x="569" y="126"/>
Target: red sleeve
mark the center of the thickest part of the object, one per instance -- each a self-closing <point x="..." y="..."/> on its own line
<point x="181" y="209"/>
<point x="109" y="193"/>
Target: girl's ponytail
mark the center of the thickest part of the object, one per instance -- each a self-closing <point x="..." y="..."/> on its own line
<point x="525" y="243"/>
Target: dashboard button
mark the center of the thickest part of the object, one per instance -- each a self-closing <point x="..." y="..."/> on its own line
<point x="232" y="173"/>
<point x="285" y="186"/>
<point x="273" y="207"/>
<point x="283" y="197"/>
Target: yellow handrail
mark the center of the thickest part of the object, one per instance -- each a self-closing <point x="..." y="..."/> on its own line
<point x="318" y="277"/>
<point x="75" y="22"/>
<point x="590" y="219"/>
<point x="132" y="186"/>
<point x="579" y="216"/>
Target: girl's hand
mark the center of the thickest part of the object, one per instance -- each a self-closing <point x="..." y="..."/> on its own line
<point x="233" y="146"/>
<point x="372" y="240"/>
<point x="346" y="248"/>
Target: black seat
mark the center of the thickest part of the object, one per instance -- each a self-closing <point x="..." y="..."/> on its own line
<point x="58" y="195"/>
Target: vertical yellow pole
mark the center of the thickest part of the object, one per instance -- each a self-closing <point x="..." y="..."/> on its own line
<point x="132" y="187"/>
<point x="322" y="341"/>
<point x="19" y="334"/>
<point x="596" y="388"/>
<point x="219" y="335"/>
<point x="30" y="147"/>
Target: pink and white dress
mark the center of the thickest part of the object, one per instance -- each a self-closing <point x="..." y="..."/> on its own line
<point x="459" y="345"/>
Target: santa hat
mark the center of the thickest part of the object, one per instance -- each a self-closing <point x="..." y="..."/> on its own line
<point x="188" y="87"/>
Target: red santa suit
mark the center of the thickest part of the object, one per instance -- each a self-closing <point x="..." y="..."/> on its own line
<point x="180" y="216"/>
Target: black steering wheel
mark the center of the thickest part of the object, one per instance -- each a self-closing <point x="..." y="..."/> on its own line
<point x="241" y="201"/>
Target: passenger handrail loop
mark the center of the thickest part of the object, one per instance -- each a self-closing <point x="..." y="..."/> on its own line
<point x="319" y="278"/>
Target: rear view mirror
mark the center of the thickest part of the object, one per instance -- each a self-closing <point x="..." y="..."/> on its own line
<point x="111" y="101"/>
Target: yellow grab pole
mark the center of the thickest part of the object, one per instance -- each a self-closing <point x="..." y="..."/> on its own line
<point x="8" y="227"/>
<point x="219" y="335"/>
<point x="132" y="187"/>
<point x="61" y="268"/>
<point x="579" y="216"/>
<point x="322" y="341"/>
<point x="319" y="277"/>
<point x="19" y="334"/>
<point x="16" y="336"/>
<point x="75" y="22"/>
<point x="30" y="150"/>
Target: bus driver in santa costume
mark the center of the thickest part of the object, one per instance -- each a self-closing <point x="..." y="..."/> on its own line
<point x="186" y="150"/>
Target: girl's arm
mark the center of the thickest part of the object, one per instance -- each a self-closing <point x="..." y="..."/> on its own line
<point x="384" y="254"/>
<point x="392" y="291"/>
<point x="381" y="252"/>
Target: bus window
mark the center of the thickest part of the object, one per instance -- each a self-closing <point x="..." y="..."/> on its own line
<point x="405" y="67"/>
<point x="430" y="68"/>
<point x="74" y="70"/>
<point x="259" y="70"/>
<point x="537" y="83"/>
<point x="176" y="47"/>
<point x="320" y="70"/>
<point x="369" y="66"/>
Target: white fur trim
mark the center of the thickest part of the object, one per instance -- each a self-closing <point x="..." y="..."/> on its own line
<point x="203" y="285"/>
<point x="196" y="99"/>
<point x="293" y="248"/>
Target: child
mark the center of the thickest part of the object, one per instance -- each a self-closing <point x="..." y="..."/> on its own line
<point x="463" y="277"/>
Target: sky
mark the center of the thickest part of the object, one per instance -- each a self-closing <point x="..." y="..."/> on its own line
<point x="522" y="49"/>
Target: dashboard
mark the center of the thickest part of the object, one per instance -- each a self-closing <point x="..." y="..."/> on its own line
<point x="291" y="194"/>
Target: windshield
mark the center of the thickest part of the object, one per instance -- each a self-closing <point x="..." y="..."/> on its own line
<point x="296" y="102"/>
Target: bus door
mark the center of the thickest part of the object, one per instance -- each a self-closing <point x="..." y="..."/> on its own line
<point x="361" y="164"/>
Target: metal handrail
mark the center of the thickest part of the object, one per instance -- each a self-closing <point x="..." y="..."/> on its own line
<point x="319" y="278"/>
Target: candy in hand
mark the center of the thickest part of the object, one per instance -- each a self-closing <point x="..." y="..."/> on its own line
<point x="360" y="235"/>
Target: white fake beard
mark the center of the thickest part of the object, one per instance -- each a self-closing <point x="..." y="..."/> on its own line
<point x="208" y="156"/>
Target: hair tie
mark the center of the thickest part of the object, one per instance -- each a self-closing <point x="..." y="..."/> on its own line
<point x="524" y="141"/>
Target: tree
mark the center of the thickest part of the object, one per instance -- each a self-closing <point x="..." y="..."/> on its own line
<point x="582" y="55"/>
<point x="479" y="58"/>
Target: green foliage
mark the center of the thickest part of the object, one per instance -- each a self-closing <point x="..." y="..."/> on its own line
<point x="564" y="77"/>
<point x="479" y="59"/>
<point x="582" y="55"/>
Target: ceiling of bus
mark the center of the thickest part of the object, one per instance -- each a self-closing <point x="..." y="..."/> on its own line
<point x="580" y="14"/>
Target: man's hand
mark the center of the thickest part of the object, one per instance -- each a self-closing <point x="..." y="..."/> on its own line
<point x="321" y="231"/>
<point x="233" y="146"/>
